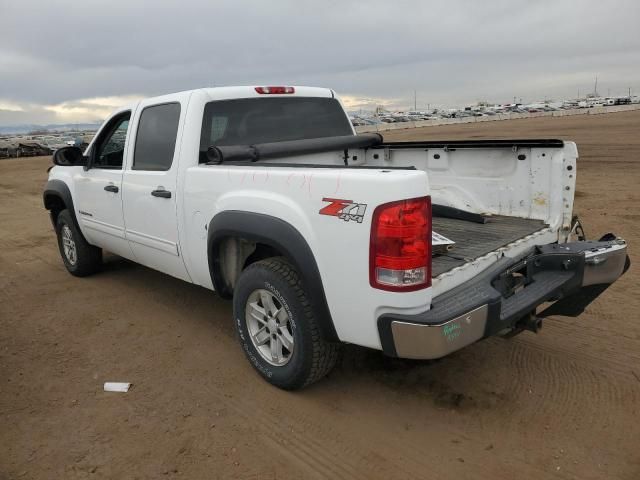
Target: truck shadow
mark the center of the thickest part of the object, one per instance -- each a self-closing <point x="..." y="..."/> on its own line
<point x="113" y="263"/>
<point x="453" y="382"/>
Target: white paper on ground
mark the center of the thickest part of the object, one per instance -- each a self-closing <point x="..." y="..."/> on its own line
<point x="116" y="387"/>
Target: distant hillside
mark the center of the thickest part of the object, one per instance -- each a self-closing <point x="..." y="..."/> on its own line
<point x="64" y="127"/>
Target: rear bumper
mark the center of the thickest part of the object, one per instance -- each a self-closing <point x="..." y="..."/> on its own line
<point x="572" y="275"/>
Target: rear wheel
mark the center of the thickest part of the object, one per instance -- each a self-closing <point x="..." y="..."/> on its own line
<point x="277" y="327"/>
<point x="79" y="257"/>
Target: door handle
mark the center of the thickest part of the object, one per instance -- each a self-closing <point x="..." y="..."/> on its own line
<point x="161" y="192"/>
<point x="111" y="188"/>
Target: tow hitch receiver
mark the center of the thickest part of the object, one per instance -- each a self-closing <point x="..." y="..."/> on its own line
<point x="530" y="322"/>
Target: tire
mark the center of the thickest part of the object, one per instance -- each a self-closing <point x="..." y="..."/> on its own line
<point x="81" y="258"/>
<point x="269" y="286"/>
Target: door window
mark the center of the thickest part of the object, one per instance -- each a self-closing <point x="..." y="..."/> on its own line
<point x="156" y="138"/>
<point x="110" y="148"/>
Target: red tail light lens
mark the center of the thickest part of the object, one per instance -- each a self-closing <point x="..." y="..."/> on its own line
<point x="400" y="250"/>
<point x="275" y="90"/>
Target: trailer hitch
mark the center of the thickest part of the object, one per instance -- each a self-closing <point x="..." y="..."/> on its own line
<point x="530" y="322"/>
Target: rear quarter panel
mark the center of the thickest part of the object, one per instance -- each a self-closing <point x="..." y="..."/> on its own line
<point x="341" y="248"/>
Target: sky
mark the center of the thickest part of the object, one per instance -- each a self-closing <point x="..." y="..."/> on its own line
<point x="75" y="61"/>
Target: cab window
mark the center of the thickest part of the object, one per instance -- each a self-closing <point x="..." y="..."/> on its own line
<point x="248" y="121"/>
<point x="109" y="150"/>
<point x="156" y="138"/>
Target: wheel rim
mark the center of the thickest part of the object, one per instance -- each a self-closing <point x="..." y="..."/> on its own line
<point x="269" y="327"/>
<point x="68" y="245"/>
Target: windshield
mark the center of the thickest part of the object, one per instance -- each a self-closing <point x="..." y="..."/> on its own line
<point x="250" y="121"/>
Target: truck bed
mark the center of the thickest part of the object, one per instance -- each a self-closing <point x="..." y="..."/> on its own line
<point x="474" y="240"/>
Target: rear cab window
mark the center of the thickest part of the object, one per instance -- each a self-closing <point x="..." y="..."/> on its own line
<point x="156" y="137"/>
<point x="250" y="121"/>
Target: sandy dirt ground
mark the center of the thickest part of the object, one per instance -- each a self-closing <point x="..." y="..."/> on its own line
<point x="561" y="404"/>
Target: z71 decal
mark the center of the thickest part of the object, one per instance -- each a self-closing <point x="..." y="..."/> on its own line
<point x="344" y="209"/>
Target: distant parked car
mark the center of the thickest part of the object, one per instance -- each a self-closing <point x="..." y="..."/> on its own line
<point x="31" y="149"/>
<point x="7" y="149"/>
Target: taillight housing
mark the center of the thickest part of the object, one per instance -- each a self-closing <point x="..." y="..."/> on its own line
<point x="275" y="90"/>
<point x="400" y="247"/>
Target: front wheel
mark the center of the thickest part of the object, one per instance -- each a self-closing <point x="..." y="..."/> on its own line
<point x="277" y="328"/>
<point x="79" y="257"/>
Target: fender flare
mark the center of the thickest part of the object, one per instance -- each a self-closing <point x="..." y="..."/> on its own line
<point x="282" y="236"/>
<point x="57" y="188"/>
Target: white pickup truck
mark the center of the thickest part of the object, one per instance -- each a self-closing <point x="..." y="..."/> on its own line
<point x="321" y="236"/>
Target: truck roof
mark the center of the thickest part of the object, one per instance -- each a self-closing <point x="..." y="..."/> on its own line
<point x="244" y="91"/>
<point x="223" y="93"/>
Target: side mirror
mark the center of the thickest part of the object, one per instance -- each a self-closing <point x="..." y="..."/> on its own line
<point x="69" y="157"/>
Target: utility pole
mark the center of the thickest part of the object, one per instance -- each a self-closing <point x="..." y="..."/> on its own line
<point x="415" y="101"/>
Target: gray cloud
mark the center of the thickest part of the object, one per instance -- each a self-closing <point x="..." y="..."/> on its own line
<point x="451" y="52"/>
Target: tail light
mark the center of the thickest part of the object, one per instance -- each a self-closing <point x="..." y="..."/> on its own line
<point x="400" y="250"/>
<point x="275" y="90"/>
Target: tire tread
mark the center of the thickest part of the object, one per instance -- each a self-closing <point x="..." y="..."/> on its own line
<point x="325" y="354"/>
<point x="89" y="256"/>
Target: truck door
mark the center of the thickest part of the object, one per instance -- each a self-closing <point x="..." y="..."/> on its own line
<point x="98" y="196"/>
<point x="149" y="188"/>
